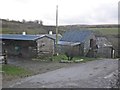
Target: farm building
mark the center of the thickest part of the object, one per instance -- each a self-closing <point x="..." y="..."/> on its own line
<point x="27" y="45"/>
<point x="105" y="48"/>
<point x="78" y="43"/>
<point x="53" y="36"/>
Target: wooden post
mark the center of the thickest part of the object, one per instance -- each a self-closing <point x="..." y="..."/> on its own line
<point x="5" y="57"/>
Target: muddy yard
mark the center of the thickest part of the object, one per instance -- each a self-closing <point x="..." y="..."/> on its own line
<point x="94" y="74"/>
<point x="34" y="66"/>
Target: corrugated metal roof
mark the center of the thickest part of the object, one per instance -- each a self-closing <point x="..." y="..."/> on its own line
<point x="76" y="35"/>
<point x="20" y="37"/>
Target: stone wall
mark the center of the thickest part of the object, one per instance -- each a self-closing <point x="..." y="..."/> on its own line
<point x="46" y="45"/>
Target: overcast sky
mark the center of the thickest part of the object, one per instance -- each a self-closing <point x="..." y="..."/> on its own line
<point x="70" y="11"/>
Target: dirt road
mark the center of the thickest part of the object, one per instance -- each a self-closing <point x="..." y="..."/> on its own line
<point x="94" y="74"/>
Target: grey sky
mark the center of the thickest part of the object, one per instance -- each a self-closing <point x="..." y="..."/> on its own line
<point x="70" y="11"/>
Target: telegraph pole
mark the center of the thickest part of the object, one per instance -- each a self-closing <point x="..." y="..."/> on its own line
<point x="57" y="29"/>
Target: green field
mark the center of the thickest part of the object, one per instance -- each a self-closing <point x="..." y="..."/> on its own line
<point x="103" y="31"/>
<point x="106" y="31"/>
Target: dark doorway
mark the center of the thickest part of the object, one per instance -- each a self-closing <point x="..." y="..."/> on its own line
<point x="91" y="43"/>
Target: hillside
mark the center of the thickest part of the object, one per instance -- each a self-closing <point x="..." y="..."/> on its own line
<point x="16" y="27"/>
<point x="33" y="27"/>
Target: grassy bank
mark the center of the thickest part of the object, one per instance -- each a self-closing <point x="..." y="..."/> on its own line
<point x="10" y="72"/>
<point x="62" y="57"/>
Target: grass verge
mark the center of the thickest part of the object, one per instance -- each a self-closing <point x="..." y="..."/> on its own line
<point x="10" y="72"/>
<point x="63" y="57"/>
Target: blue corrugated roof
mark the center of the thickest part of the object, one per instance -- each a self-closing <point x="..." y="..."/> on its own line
<point x="76" y="35"/>
<point x="20" y="37"/>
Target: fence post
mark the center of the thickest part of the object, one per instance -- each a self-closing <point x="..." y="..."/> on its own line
<point x="5" y="57"/>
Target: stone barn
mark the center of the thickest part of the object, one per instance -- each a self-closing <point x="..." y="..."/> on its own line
<point x="78" y="43"/>
<point x="27" y="45"/>
<point x="105" y="48"/>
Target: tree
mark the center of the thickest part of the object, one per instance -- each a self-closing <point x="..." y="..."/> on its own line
<point x="36" y="21"/>
<point x="23" y="21"/>
<point x="41" y="22"/>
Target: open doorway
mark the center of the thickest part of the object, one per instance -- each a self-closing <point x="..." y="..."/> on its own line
<point x="91" y="43"/>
